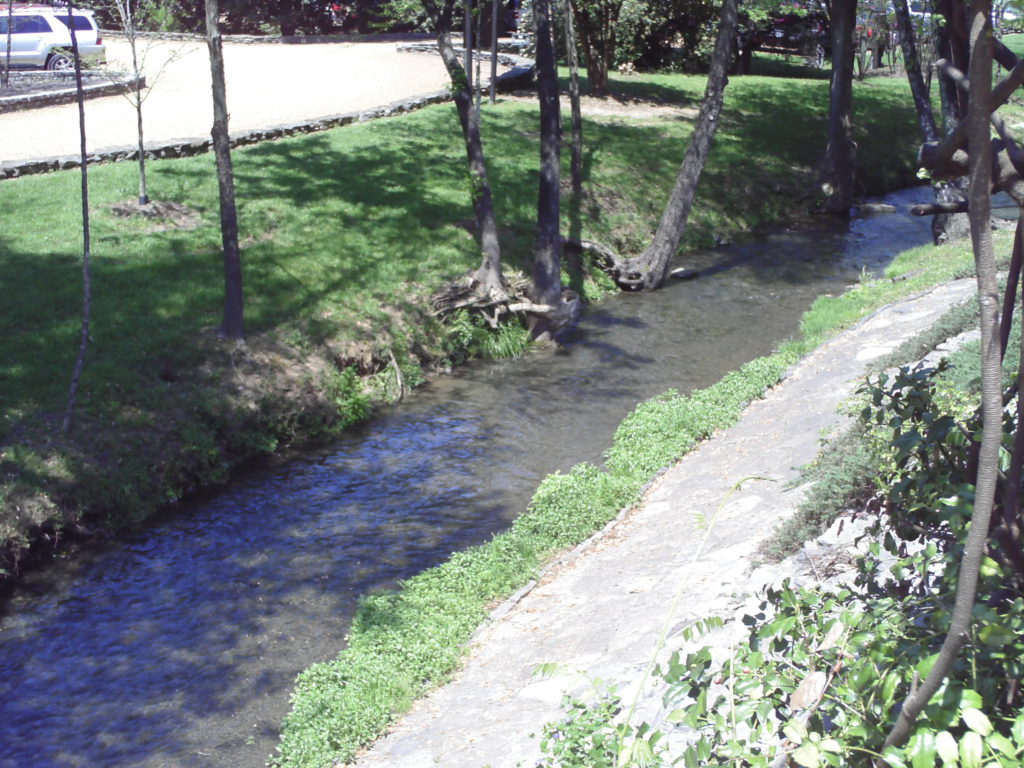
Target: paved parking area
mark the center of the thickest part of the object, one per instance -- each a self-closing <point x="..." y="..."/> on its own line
<point x="268" y="85"/>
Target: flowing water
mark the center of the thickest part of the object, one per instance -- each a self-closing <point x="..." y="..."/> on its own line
<point x="178" y="646"/>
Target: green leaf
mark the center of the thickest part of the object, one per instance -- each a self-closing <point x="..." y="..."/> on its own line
<point x="889" y="686"/>
<point x="970" y="699"/>
<point x="1002" y="744"/>
<point x="807" y="756"/>
<point x="830" y="745"/>
<point x="894" y="757"/>
<point x="1017" y="729"/>
<point x="676" y="715"/>
<point x="945" y="744"/>
<point x="997" y="635"/>
<point x="795" y="731"/>
<point x="977" y="721"/>
<point x="922" y="749"/>
<point x="970" y="750"/>
<point x="924" y="666"/>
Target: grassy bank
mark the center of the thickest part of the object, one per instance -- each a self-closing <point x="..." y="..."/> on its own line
<point x="345" y="235"/>
<point x="405" y="642"/>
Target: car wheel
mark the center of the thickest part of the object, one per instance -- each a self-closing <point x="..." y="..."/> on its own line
<point x="60" y="62"/>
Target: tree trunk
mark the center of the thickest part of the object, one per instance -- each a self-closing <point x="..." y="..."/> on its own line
<point x="950" y="45"/>
<point x="83" y="337"/>
<point x="488" y="275"/>
<point x="650" y="270"/>
<point x="547" y="272"/>
<point x="840" y="154"/>
<point x="912" y="64"/>
<point x="6" y="74"/>
<point x="143" y="191"/>
<point x="495" y="13"/>
<point x="233" y="325"/>
<point x="596" y="21"/>
<point x="979" y="195"/>
<point x="945" y="226"/>
<point x="574" y="101"/>
<point x="128" y="23"/>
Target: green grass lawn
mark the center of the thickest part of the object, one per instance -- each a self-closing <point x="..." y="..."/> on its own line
<point x="345" y="234"/>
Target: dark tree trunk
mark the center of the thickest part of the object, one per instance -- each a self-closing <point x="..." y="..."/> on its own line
<point x="574" y="101"/>
<point x="547" y="272"/>
<point x="979" y="195"/>
<point x="951" y="44"/>
<point x="912" y="63"/>
<point x="488" y="276"/>
<point x="840" y="154"/>
<point x="651" y="268"/>
<point x="233" y="325"/>
<point x="945" y="226"/>
<point x="83" y="336"/>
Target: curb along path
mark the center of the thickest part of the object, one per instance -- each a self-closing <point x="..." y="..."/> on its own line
<point x="598" y="615"/>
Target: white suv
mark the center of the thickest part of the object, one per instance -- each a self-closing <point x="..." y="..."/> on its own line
<point x="40" y="37"/>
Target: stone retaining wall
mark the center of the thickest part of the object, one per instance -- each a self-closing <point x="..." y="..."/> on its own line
<point x="521" y="74"/>
<point x="507" y="46"/>
<point x="115" y="84"/>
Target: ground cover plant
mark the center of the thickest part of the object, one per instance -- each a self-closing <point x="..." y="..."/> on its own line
<point x="345" y="235"/>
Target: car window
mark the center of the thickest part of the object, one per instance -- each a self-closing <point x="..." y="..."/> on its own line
<point x="82" y="23"/>
<point x="31" y="25"/>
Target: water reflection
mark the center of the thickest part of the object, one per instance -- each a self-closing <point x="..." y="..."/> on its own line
<point x="180" y="645"/>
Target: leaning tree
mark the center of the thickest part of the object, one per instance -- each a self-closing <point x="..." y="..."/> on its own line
<point x="651" y="268"/>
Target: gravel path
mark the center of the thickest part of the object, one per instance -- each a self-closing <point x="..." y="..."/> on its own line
<point x="268" y="85"/>
<point x="598" y="615"/>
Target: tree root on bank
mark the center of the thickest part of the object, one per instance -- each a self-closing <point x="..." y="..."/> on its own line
<point x="465" y="293"/>
<point x="630" y="274"/>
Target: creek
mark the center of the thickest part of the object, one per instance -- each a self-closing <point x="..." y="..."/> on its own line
<point x="178" y="644"/>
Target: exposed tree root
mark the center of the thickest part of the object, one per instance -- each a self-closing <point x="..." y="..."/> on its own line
<point x="630" y="274"/>
<point x="466" y="293"/>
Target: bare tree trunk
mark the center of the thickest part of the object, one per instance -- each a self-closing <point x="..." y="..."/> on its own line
<point x="488" y="276"/>
<point x="477" y="95"/>
<point x="131" y="33"/>
<point x="467" y="42"/>
<point x="233" y="324"/>
<point x="944" y="225"/>
<point x="495" y="10"/>
<point x="840" y="154"/>
<point x="143" y="191"/>
<point x="547" y="272"/>
<point x="574" y="101"/>
<point x="979" y="192"/>
<point x="6" y="74"/>
<point x="83" y="337"/>
<point x="912" y="64"/>
<point x="650" y="270"/>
